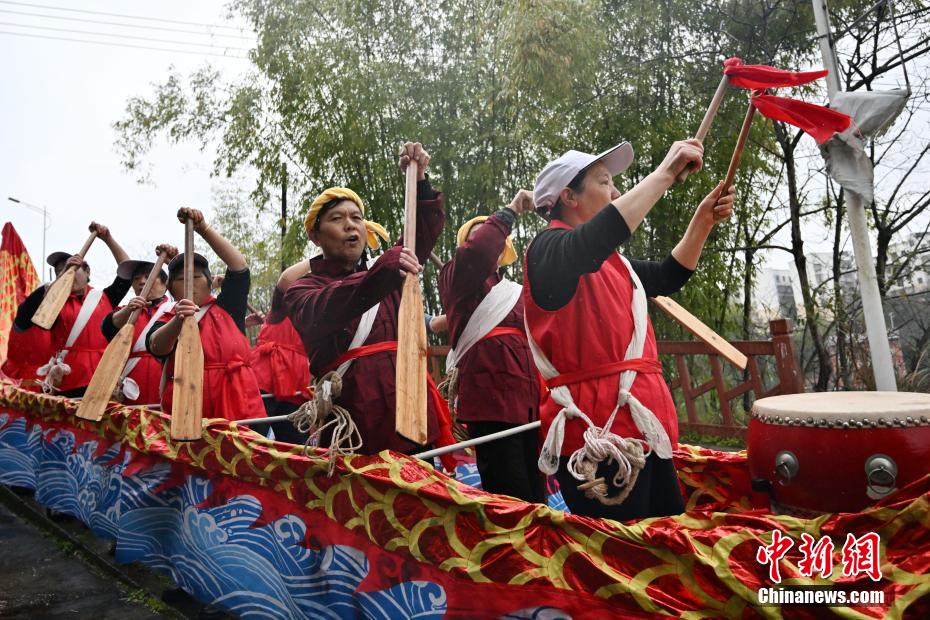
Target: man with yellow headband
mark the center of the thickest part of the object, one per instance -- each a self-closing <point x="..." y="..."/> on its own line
<point x="493" y="381"/>
<point x="345" y="309"/>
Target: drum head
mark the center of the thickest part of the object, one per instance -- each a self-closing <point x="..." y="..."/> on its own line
<point x="845" y="409"/>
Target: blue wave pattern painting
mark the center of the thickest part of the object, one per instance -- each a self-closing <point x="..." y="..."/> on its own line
<point x="215" y="553"/>
<point x="19" y="452"/>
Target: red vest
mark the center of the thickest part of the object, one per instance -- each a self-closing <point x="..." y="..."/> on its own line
<point x="88" y="348"/>
<point x="594" y="329"/>
<point x="147" y="373"/>
<point x="279" y="361"/>
<point x="27" y="351"/>
<point x="229" y="387"/>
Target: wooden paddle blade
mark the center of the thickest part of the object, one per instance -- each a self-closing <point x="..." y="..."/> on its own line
<point x="54" y="300"/>
<point x="100" y="389"/>
<point x="410" y="412"/>
<point x="702" y="331"/>
<point x="187" y="401"/>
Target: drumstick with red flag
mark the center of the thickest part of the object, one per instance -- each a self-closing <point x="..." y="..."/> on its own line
<point x="752" y="77"/>
<point x="817" y="121"/>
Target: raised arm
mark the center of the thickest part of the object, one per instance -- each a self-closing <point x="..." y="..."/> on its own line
<point x="104" y="234"/>
<point x="430" y="215"/>
<point x="635" y="204"/>
<point x="319" y="307"/>
<point x="293" y="273"/>
<point x="226" y="251"/>
<point x="712" y="210"/>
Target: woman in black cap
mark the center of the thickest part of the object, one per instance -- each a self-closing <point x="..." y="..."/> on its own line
<point x="229" y="387"/>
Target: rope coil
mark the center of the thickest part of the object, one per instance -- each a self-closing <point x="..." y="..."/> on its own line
<point x="320" y="414"/>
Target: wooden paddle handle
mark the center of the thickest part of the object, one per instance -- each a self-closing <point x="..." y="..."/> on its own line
<point x="87" y="244"/>
<point x="738" y="151"/>
<point x="252" y="308"/>
<point x="189" y="259"/>
<point x="410" y="206"/>
<point x="435" y="260"/>
<point x="707" y="120"/>
<point x="147" y="287"/>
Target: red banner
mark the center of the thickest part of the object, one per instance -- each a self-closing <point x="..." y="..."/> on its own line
<point x="18" y="278"/>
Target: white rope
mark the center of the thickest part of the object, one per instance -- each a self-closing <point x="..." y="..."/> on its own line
<point x="600" y="443"/>
<point x="311" y="417"/>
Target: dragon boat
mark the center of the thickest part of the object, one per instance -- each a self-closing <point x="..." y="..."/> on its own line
<point x="259" y="528"/>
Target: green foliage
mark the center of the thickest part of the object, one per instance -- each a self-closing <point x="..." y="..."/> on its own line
<point x="493" y="90"/>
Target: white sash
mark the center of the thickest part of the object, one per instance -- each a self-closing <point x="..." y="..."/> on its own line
<point x="164" y="369"/>
<point x="56" y="368"/>
<point x="493" y="309"/>
<point x="645" y="420"/>
<point x="126" y="384"/>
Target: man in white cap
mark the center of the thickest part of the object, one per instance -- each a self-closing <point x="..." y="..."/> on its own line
<point x="608" y="419"/>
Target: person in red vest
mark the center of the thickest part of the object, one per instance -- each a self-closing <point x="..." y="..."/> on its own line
<point x="345" y="309"/>
<point x="609" y="421"/>
<point x="496" y="385"/>
<point x="141" y="377"/>
<point x="279" y="360"/>
<point x="76" y="342"/>
<point x="229" y="387"/>
<point x="28" y="350"/>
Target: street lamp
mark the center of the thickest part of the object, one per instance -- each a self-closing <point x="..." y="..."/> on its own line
<point x="46" y="220"/>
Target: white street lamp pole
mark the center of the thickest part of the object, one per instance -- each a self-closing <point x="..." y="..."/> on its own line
<point x="46" y="220"/>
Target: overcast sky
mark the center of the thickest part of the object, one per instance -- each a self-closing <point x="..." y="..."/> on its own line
<point x="59" y="99"/>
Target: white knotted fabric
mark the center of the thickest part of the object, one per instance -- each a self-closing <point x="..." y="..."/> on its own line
<point x="56" y="368"/>
<point x="126" y="385"/>
<point x="599" y="442"/>
<point x="493" y="309"/>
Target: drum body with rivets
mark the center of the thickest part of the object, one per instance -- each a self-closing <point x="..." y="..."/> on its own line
<point x="838" y="451"/>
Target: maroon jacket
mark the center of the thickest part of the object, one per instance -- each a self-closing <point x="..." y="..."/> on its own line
<point x="497" y="376"/>
<point x="325" y="307"/>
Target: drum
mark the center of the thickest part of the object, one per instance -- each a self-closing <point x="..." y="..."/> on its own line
<point x="837" y="451"/>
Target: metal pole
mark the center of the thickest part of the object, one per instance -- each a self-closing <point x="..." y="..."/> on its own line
<point x="879" y="349"/>
<point x="45" y="226"/>
<point x="283" y="217"/>
<point x="477" y="440"/>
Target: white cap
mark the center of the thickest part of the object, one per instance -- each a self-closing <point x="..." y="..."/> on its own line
<point x="559" y="173"/>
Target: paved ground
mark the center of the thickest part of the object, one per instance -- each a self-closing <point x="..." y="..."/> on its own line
<point x="41" y="577"/>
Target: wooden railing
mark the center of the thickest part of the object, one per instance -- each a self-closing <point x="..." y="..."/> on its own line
<point x="780" y="348"/>
<point x="787" y="370"/>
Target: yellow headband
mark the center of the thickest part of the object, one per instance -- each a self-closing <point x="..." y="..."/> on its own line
<point x="374" y="229"/>
<point x="509" y="254"/>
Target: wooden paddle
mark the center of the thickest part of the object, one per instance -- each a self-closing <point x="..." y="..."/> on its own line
<point x="187" y="402"/>
<point x="410" y="412"/>
<point x="701" y="331"/>
<point x="738" y="151"/>
<point x="101" y="386"/>
<point x="707" y="120"/>
<point x="58" y="292"/>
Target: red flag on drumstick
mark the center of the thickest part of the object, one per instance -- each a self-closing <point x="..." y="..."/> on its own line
<point x="757" y="77"/>
<point x="820" y="122"/>
<point x="752" y="77"/>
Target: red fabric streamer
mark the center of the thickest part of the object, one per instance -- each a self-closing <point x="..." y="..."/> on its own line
<point x="818" y="121"/>
<point x="756" y="77"/>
